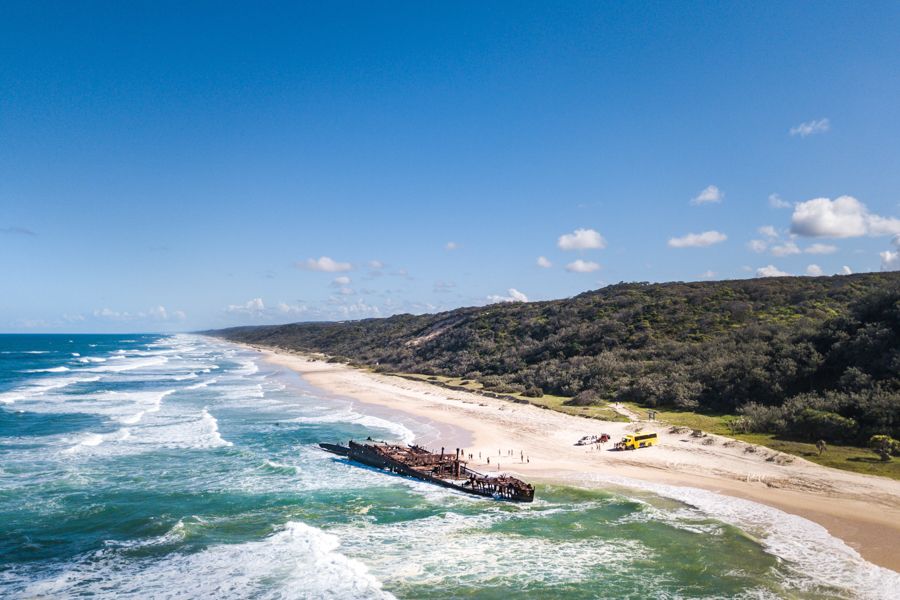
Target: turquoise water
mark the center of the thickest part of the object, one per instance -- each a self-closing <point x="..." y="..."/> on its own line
<point x="181" y="467"/>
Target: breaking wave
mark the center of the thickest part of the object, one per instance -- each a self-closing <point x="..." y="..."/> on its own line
<point x="299" y="560"/>
<point x="400" y="432"/>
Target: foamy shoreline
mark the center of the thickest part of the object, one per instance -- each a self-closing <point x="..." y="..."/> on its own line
<point x="861" y="510"/>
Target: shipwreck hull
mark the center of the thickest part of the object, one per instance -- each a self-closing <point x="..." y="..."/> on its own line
<point x="445" y="470"/>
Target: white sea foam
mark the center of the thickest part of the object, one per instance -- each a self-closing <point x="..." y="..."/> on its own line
<point x="210" y="431"/>
<point x="49" y="370"/>
<point x="131" y="365"/>
<point x="91" y="359"/>
<point x="90" y="440"/>
<point x="489" y="557"/>
<point x="181" y="431"/>
<point x="41" y="387"/>
<point x="816" y="557"/>
<point x="247" y="368"/>
<point x="243" y="392"/>
<point x="148" y="402"/>
<point x="298" y="561"/>
<point x="202" y="384"/>
<point x="400" y="431"/>
<point x="281" y="467"/>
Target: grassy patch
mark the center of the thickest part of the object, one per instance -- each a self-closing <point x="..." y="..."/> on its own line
<point x="848" y="458"/>
<point x="717" y="424"/>
<point x="603" y="412"/>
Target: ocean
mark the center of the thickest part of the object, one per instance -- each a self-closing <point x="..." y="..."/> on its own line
<point x="177" y="466"/>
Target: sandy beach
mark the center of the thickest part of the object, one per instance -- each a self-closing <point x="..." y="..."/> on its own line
<point x="863" y="511"/>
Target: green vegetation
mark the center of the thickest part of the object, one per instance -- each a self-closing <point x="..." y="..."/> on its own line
<point x="797" y="359"/>
<point x="885" y="446"/>
<point x="559" y="403"/>
<point x="849" y="458"/>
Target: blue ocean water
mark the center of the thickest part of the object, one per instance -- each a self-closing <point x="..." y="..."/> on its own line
<point x="145" y="466"/>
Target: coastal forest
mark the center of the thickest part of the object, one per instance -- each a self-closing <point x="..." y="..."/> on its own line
<point x="806" y="358"/>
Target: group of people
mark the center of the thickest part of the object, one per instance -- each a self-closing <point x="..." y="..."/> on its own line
<point x="510" y="452"/>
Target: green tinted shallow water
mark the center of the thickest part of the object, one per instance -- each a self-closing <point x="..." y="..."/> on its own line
<point x="217" y="489"/>
<point x="574" y="544"/>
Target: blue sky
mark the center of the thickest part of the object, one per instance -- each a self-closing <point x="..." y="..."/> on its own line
<point x="173" y="166"/>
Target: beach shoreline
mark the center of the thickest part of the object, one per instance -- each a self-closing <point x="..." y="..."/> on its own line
<point x="861" y="510"/>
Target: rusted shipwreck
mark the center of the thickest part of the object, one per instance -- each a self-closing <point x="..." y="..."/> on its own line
<point x="447" y="470"/>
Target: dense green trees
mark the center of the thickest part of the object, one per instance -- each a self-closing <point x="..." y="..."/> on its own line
<point x="804" y="357"/>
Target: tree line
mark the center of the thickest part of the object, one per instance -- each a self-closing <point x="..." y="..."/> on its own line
<point x="807" y="358"/>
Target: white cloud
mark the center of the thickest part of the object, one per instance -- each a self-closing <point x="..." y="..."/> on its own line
<point x="514" y="296"/>
<point x="156" y="313"/>
<point x="698" y="240"/>
<point x="543" y="262"/>
<point x="842" y="217"/>
<point x="582" y="266"/>
<point x="820" y="249"/>
<point x="776" y="201"/>
<point x="710" y="194"/>
<point x="581" y="239"/>
<point x="376" y="264"/>
<point x="343" y="280"/>
<point x="252" y="307"/>
<point x="107" y="313"/>
<point x="814" y="270"/>
<point x="890" y="261"/>
<point x="324" y="264"/>
<point x="811" y="127"/>
<point x="896" y="240"/>
<point x="291" y="309"/>
<point x="768" y="231"/>
<point x="159" y="312"/>
<point x="708" y="274"/>
<point x="517" y="295"/>
<point x="442" y="287"/>
<point x="32" y="323"/>
<point x="845" y="270"/>
<point x="758" y="246"/>
<point x="451" y="246"/>
<point x="785" y="249"/>
<point x="356" y="310"/>
<point x="883" y="225"/>
<point x="771" y="271"/>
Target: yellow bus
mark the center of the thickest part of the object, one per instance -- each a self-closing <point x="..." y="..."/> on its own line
<point x="640" y="440"/>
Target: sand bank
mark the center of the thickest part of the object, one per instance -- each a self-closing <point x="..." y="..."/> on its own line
<point x="861" y="510"/>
